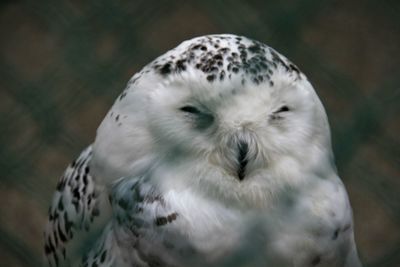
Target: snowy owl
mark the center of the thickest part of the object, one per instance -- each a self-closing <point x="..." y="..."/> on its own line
<point x="217" y="153"/>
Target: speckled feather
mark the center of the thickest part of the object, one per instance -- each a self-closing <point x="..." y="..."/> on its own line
<point x="73" y="209"/>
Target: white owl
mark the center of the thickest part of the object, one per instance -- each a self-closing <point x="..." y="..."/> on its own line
<point x="217" y="153"/>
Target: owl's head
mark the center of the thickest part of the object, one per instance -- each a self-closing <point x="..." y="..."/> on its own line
<point x="221" y="113"/>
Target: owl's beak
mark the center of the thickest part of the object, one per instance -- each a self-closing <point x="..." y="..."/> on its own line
<point x="238" y="154"/>
<point x="243" y="149"/>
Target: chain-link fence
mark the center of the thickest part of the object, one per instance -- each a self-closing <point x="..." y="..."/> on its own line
<point x="64" y="62"/>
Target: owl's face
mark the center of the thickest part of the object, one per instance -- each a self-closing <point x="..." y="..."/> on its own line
<point x="235" y="137"/>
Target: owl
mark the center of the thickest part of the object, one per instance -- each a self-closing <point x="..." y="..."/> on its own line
<point x="217" y="153"/>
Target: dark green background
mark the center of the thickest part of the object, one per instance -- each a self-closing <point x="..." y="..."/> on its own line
<point x="62" y="64"/>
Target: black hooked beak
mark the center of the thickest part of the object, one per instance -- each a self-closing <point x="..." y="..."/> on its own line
<point x="243" y="149"/>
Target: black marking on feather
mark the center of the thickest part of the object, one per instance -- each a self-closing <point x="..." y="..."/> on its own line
<point x="74" y="206"/>
<point x="163" y="220"/>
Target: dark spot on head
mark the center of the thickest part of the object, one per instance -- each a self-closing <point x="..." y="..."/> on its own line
<point x="218" y="57"/>
<point x="196" y="47"/>
<point x="255" y="48"/>
<point x="211" y="77"/>
<point x="224" y="50"/>
<point x="180" y="65"/>
<point x="222" y="75"/>
<point x="165" y="69"/>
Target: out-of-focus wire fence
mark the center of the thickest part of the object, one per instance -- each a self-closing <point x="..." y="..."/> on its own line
<point x="62" y="63"/>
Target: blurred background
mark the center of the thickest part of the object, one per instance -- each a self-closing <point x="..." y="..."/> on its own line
<point x="62" y="64"/>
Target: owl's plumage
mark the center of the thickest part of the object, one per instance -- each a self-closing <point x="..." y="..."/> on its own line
<point x="217" y="153"/>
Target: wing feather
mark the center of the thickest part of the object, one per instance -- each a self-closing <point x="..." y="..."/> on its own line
<point x="74" y="209"/>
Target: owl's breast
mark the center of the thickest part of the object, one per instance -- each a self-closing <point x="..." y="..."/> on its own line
<point x="308" y="227"/>
<point x="313" y="228"/>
